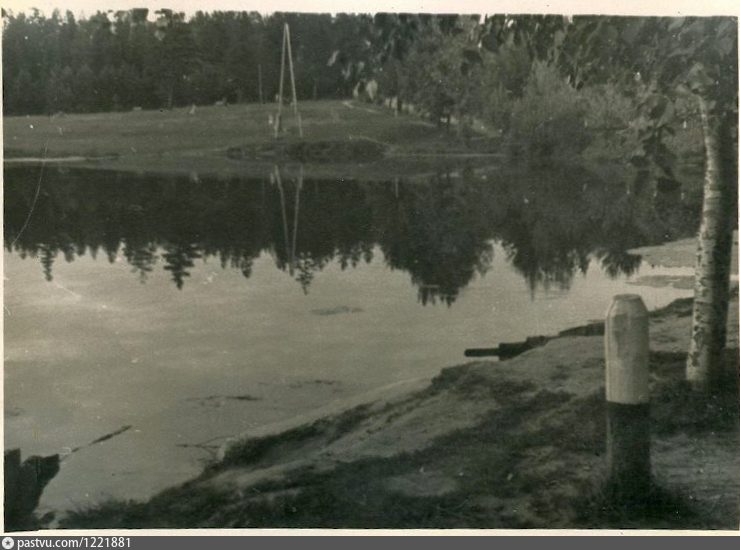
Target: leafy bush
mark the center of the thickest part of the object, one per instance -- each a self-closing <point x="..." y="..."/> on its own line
<point x="550" y="118"/>
<point x="497" y="107"/>
<point x="504" y="76"/>
<point x="436" y="81"/>
<point x="688" y="141"/>
<point x="609" y="117"/>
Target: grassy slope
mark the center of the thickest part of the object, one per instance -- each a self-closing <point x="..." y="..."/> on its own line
<point x="176" y="141"/>
<point x="515" y="444"/>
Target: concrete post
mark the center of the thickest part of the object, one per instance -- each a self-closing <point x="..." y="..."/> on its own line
<point x="627" y="351"/>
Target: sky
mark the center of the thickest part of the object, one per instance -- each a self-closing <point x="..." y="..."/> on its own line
<point x="263" y="6"/>
<point x="656" y="7"/>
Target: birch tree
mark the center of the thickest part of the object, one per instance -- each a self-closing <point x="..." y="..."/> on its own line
<point x="659" y="59"/>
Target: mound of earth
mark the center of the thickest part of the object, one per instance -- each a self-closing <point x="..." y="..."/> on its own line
<point x="326" y="151"/>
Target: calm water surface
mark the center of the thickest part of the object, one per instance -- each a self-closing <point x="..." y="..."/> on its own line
<point x="196" y="309"/>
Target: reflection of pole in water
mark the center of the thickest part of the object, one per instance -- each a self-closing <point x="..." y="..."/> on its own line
<point x="290" y="243"/>
<point x="279" y="182"/>
<point x="395" y="186"/>
<point x="299" y="185"/>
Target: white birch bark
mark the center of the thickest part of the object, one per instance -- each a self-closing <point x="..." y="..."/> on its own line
<point x="714" y="246"/>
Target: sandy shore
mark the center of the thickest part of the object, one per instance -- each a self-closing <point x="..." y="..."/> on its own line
<point x="511" y="444"/>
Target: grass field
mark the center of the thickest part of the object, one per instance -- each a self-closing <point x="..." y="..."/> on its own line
<point x="178" y="140"/>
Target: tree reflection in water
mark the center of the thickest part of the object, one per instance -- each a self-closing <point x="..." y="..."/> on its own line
<point x="552" y="222"/>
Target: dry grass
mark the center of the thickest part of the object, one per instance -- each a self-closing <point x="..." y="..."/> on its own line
<point x="176" y="132"/>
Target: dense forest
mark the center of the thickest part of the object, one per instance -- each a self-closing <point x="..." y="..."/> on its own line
<point x="120" y="60"/>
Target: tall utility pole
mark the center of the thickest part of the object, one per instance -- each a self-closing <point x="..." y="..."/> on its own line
<point x="287" y="49"/>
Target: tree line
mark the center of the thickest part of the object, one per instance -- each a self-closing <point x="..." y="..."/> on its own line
<point x="452" y="69"/>
<point x="551" y="224"/>
<point x="121" y="60"/>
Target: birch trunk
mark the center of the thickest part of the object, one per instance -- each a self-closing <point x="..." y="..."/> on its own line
<point x="714" y="247"/>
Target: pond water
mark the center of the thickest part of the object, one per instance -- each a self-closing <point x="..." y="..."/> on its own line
<point x="186" y="310"/>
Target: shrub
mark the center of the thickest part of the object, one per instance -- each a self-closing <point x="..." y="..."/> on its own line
<point x="609" y="116"/>
<point x="497" y="107"/>
<point x="688" y="141"/>
<point x="504" y="76"/>
<point x="550" y="118"/>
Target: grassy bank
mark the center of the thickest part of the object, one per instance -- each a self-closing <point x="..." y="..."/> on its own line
<point x="183" y="141"/>
<point x="513" y="444"/>
<point x="202" y="141"/>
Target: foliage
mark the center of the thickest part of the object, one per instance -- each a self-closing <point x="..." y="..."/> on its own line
<point x="121" y="60"/>
<point x="437" y="81"/>
<point x="550" y="118"/>
<point x="609" y="115"/>
<point x="659" y="60"/>
<point x="504" y="76"/>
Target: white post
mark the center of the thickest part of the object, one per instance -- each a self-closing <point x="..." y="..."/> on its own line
<point x="627" y="349"/>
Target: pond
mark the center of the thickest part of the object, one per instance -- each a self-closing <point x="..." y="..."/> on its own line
<point x="176" y="312"/>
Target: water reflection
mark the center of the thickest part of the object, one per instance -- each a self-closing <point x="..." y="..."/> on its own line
<point x="552" y="223"/>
